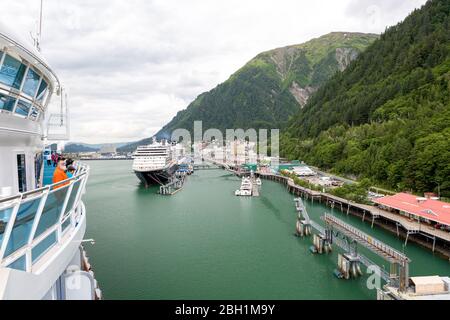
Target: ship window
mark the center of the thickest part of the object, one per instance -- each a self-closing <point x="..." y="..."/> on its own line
<point x="71" y="202"/>
<point x="21" y="172"/>
<point x="42" y="91"/>
<point x="52" y="210"/>
<point x="19" y="264"/>
<point x="40" y="249"/>
<point x="31" y="83"/>
<point x="66" y="224"/>
<point x="5" y="216"/>
<point x="6" y="103"/>
<point x="23" y="108"/>
<point x="12" y="72"/>
<point x="22" y="226"/>
<point x="34" y="115"/>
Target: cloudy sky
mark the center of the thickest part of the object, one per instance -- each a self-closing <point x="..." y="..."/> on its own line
<point x="129" y="66"/>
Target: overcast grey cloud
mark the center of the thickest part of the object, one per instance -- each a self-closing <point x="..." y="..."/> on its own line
<point x="130" y="66"/>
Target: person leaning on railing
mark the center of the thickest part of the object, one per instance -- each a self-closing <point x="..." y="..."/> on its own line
<point x="60" y="174"/>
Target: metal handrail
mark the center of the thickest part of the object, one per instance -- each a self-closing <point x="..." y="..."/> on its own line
<point x="372" y="241"/>
<point x="15" y="202"/>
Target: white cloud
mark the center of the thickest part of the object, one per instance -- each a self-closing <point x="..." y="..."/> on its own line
<point x="131" y="65"/>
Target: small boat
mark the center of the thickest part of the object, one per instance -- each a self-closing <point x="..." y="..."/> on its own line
<point x="258" y="182"/>
<point x="246" y="188"/>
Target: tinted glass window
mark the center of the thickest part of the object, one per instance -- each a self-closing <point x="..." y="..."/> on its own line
<point x="34" y="113"/>
<point x="22" y="226"/>
<point x="5" y="216"/>
<point x="43" y="247"/>
<point x="6" y="103"/>
<point x="21" y="172"/>
<point x="23" y="108"/>
<point x="52" y="210"/>
<point x="42" y="91"/>
<point x="31" y="82"/>
<point x="12" y="72"/>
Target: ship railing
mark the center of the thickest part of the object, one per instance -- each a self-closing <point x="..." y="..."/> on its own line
<point x="33" y="222"/>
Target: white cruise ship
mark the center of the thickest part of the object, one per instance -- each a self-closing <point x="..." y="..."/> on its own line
<point x="42" y="226"/>
<point x="155" y="163"/>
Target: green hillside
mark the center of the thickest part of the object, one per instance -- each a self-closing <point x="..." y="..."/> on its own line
<point x="272" y="86"/>
<point x="387" y="116"/>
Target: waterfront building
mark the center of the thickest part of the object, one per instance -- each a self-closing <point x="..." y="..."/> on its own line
<point x="303" y="171"/>
<point x="108" y="150"/>
<point x="422" y="209"/>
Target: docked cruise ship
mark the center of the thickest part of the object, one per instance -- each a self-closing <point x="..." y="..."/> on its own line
<point x="42" y="225"/>
<point x="155" y="163"/>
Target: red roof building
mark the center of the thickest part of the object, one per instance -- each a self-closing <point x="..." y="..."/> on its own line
<point x="418" y="207"/>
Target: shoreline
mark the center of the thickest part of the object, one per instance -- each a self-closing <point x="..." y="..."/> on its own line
<point x="106" y="159"/>
<point x="441" y="247"/>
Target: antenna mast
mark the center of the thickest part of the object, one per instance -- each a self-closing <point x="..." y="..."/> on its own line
<point x="37" y="37"/>
<point x="40" y="21"/>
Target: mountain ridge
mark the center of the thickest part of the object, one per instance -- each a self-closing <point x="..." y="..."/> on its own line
<point x="387" y="116"/>
<point x="271" y="87"/>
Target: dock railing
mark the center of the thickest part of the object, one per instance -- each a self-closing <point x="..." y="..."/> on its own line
<point x="33" y="222"/>
<point x="367" y="241"/>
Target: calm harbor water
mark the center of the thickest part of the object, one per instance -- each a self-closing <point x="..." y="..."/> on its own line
<point x="205" y="243"/>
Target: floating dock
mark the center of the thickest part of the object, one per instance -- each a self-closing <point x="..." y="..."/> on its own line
<point x="399" y="285"/>
<point x="434" y="239"/>
<point x="431" y="238"/>
<point x="174" y="185"/>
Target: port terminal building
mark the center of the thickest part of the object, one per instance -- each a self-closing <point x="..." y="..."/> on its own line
<point x="428" y="210"/>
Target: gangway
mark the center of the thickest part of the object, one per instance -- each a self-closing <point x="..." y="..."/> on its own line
<point x="376" y="246"/>
<point x="220" y="164"/>
<point x="347" y="247"/>
<point x="347" y="238"/>
<point x="399" y="262"/>
<point x="302" y="210"/>
<point x="304" y="222"/>
<point x="174" y="185"/>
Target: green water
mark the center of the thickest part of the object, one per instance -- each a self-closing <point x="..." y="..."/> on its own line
<point x="205" y="243"/>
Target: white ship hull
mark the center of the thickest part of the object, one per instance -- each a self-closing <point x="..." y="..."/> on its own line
<point x="39" y="283"/>
<point x="41" y="227"/>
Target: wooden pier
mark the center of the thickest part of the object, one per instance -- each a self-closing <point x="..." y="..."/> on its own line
<point x="385" y="219"/>
<point x="255" y="187"/>
<point x="434" y="239"/>
<point x="205" y="167"/>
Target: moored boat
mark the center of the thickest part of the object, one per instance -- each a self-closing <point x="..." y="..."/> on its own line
<point x="245" y="189"/>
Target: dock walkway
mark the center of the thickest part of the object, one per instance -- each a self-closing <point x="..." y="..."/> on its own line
<point x="411" y="226"/>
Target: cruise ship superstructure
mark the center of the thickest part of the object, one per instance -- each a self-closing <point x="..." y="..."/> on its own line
<point x="156" y="163"/>
<point x="41" y="226"/>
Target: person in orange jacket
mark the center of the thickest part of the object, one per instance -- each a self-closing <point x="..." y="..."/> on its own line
<point x="60" y="173"/>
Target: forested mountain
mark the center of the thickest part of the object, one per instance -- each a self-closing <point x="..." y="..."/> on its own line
<point x="387" y="116"/>
<point x="272" y="86"/>
<point x="75" y="148"/>
<point x="132" y="146"/>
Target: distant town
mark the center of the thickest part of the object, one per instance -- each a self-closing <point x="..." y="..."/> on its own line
<point x="106" y="152"/>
